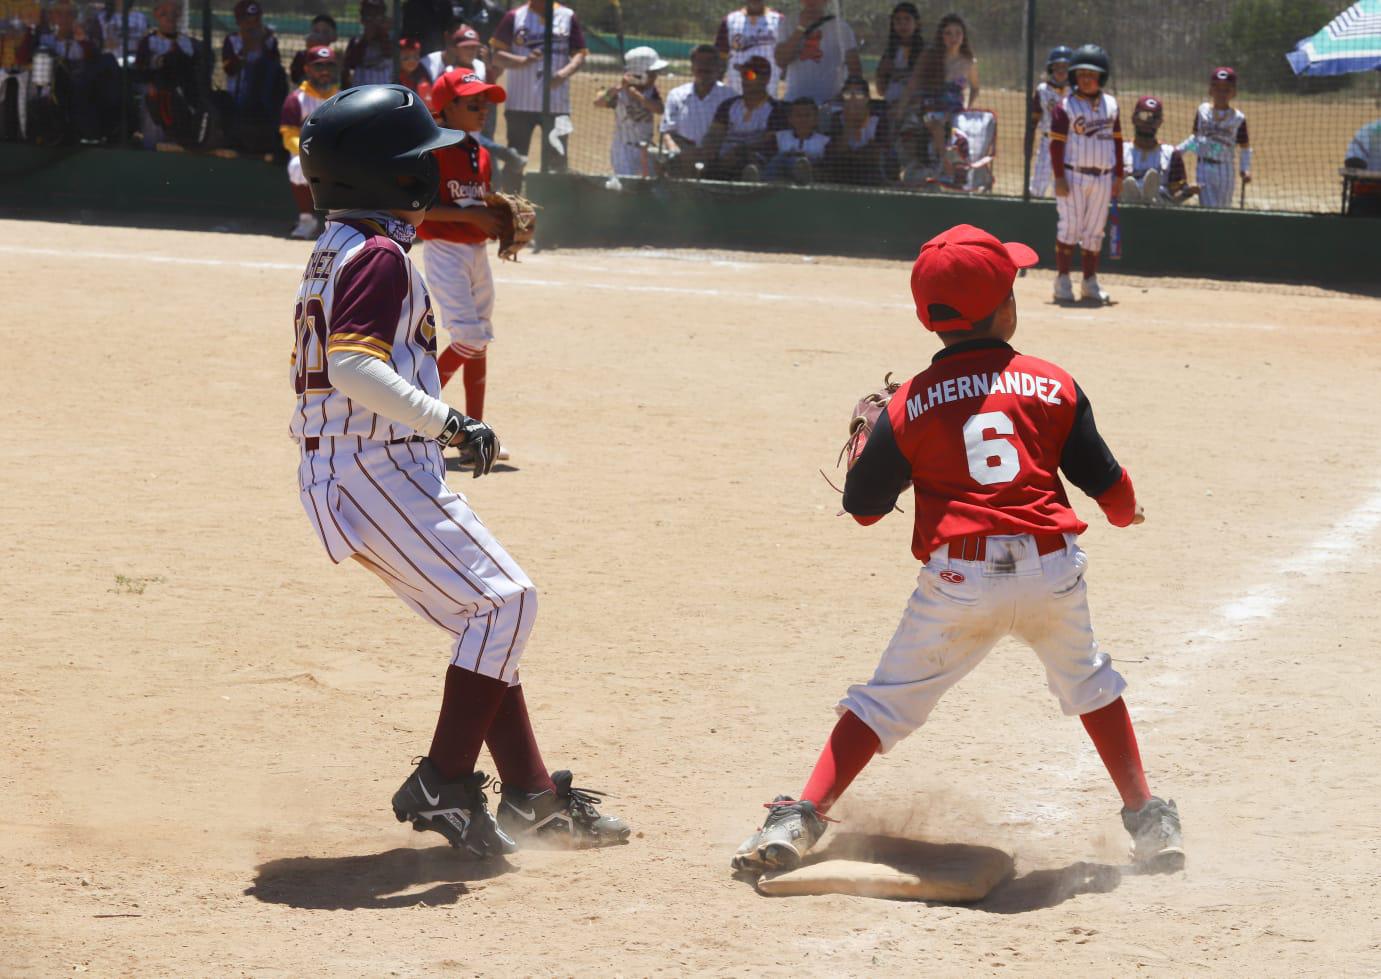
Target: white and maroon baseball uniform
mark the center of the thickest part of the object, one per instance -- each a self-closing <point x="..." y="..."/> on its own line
<point x="374" y="489"/>
<point x="455" y="254"/>
<point x="1164" y="160"/>
<point x="742" y="35"/>
<point x="526" y="32"/>
<point x="1085" y="149"/>
<point x="300" y="103"/>
<point x="1214" y="142"/>
<point x="1047" y="96"/>
<point x="632" y="130"/>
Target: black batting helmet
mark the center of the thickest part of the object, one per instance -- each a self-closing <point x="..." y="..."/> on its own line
<point x="1090" y="57"/>
<point x="1061" y="52"/>
<point x="371" y="147"/>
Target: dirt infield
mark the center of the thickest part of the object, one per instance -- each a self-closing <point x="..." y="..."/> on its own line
<point x="205" y="719"/>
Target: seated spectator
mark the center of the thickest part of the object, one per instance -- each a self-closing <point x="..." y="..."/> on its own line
<point x="318" y="86"/>
<point x="743" y="33"/>
<point x="83" y="94"/>
<point x="1364" y="153"/>
<point x="175" y="112"/>
<point x="410" y="70"/>
<point x="1154" y="172"/>
<point x="108" y="23"/>
<point x="635" y="100"/>
<point x="323" y="32"/>
<point x="17" y="43"/>
<point x="744" y="128"/>
<point x="369" y="55"/>
<point x="691" y="108"/>
<point x="817" y="50"/>
<point x="801" y="147"/>
<point x="255" y="83"/>
<point x="904" y="45"/>
<point x="945" y="82"/>
<point x="860" y="138"/>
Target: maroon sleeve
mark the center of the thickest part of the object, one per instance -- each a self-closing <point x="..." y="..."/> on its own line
<point x="369" y="296"/>
<point x="1176" y="176"/>
<point x="577" y="35"/>
<point x="504" y="32"/>
<point x="1059" y="130"/>
<point x="1242" y="139"/>
<point x="292" y="111"/>
<point x="721" y="39"/>
<point x="229" y="62"/>
<point x="1117" y="143"/>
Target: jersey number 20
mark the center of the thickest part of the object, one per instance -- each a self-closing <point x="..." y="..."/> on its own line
<point x="309" y="350"/>
<point x="991" y="460"/>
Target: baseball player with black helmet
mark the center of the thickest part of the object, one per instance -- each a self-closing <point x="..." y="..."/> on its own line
<point x="981" y="436"/>
<point x="371" y="427"/>
<point x="1048" y="94"/>
<point x="1086" y="159"/>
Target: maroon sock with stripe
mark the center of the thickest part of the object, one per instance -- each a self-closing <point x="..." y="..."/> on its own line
<point x="1110" y="729"/>
<point x="851" y="746"/>
<point x="467" y="710"/>
<point x="1090" y="262"/>
<point x="514" y="747"/>
<point x="475" y="370"/>
<point x="447" y="363"/>
<point x="1064" y="258"/>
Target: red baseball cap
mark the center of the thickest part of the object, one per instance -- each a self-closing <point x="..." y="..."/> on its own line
<point x="464" y="35"/>
<point x="463" y="85"/>
<point x="409" y="44"/>
<point x="1224" y="74"/>
<point x="963" y="275"/>
<point x="319" y="54"/>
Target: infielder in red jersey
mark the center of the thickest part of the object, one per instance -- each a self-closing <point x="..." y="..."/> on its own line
<point x="981" y="437"/>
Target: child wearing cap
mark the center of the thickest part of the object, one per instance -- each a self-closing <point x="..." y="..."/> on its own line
<point x="456" y="231"/>
<point x="411" y="71"/>
<point x="635" y="100"/>
<point x="255" y="82"/>
<point x="1219" y="130"/>
<point x="318" y="85"/>
<point x="980" y="437"/>
<point x="1155" y="170"/>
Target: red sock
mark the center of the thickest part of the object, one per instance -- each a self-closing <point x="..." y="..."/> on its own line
<point x="1064" y="257"/>
<point x="448" y="362"/>
<point x="1110" y="729"/>
<point x="514" y="747"/>
<point x="851" y="746"/>
<point x="302" y="196"/>
<point x="475" y="369"/>
<point x="1090" y="262"/>
<point x="467" y="712"/>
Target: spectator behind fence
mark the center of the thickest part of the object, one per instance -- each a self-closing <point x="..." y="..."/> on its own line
<point x="635" y="100"/>
<point x="691" y="108"/>
<point x="904" y="45"/>
<point x="255" y="83"/>
<point x="817" y="50"/>
<point x="860" y="139"/>
<point x="323" y="32"/>
<point x="17" y="43"/>
<point x="83" y="96"/>
<point x="750" y="30"/>
<point x="1153" y="171"/>
<point x="411" y="71"/>
<point x="945" y="82"/>
<point x="517" y="48"/>
<point x="107" y="22"/>
<point x="319" y="85"/>
<point x="800" y="149"/>
<point x="463" y="49"/>
<point x="1364" y="153"/>
<point x="745" y="126"/>
<point x="1218" y="130"/>
<point x="175" y="112"/>
<point x="369" y="55"/>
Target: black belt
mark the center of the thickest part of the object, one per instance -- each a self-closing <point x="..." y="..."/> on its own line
<point x="1091" y="171"/>
<point x="311" y="443"/>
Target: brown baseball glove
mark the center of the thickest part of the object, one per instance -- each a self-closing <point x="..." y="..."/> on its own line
<point x="518" y="222"/>
<point x="865" y="417"/>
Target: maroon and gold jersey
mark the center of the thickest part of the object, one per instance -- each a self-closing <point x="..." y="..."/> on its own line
<point x="982" y="436"/>
<point x="360" y="293"/>
<point x="466" y="175"/>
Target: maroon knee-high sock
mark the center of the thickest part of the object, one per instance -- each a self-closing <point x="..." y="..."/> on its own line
<point x="851" y="746"/>
<point x="1064" y="257"/>
<point x="514" y="747"/>
<point x="1089" y="260"/>
<point x="448" y="362"/>
<point x="302" y="197"/>
<point x="1110" y="729"/>
<point x="467" y="710"/>
<point x="476" y="367"/>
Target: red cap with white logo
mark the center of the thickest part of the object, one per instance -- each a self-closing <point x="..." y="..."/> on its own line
<point x="963" y="276"/>
<point x="463" y="85"/>
<point x="1224" y="74"/>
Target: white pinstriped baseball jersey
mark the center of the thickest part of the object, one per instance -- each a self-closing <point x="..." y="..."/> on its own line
<point x="741" y="36"/>
<point x="358" y="268"/>
<point x="1088" y="128"/>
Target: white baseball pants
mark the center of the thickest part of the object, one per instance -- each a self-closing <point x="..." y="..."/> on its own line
<point x="462" y="287"/>
<point x="388" y="507"/>
<point x="1217" y="182"/>
<point x="1083" y="212"/>
<point x="295" y="174"/>
<point x="958" y="612"/>
<point x="1042" y="177"/>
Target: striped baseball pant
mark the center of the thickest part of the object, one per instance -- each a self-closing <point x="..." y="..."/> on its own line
<point x="387" y="506"/>
<point x="1083" y="212"/>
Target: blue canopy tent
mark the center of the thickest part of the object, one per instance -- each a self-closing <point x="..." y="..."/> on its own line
<point x="1350" y="43"/>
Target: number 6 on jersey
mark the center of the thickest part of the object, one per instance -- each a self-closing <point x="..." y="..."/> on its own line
<point x="991" y="460"/>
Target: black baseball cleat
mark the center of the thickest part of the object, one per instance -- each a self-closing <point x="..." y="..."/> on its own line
<point x="569" y="815"/>
<point x="1157" y="846"/>
<point x="458" y="810"/>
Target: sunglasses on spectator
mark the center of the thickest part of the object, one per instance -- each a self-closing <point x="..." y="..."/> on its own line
<point x="750" y="75"/>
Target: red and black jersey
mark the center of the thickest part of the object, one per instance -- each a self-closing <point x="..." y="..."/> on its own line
<point x="982" y="436"/>
<point x="466" y="174"/>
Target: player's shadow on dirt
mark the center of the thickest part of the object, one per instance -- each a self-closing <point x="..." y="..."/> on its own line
<point x="1047" y="888"/>
<point x="376" y="881"/>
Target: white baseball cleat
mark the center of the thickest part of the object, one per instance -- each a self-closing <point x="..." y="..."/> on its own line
<point x="1150" y="187"/>
<point x="1093" y="292"/>
<point x="1064" y="289"/>
<point x="306" y="228"/>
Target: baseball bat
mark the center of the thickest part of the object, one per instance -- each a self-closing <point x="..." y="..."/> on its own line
<point x="1114" y="231"/>
<point x="1242" y="197"/>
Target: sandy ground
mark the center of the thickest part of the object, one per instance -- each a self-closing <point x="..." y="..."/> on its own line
<point x="205" y="719"/>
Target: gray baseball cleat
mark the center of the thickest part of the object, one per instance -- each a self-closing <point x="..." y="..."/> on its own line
<point x="1093" y="292"/>
<point x="1064" y="289"/>
<point x="569" y="815"/>
<point x="458" y="810"/>
<point x="1157" y="845"/>
<point x="786" y="836"/>
<point x="1150" y="187"/>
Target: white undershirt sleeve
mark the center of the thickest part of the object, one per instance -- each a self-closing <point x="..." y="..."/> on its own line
<point x="381" y="389"/>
